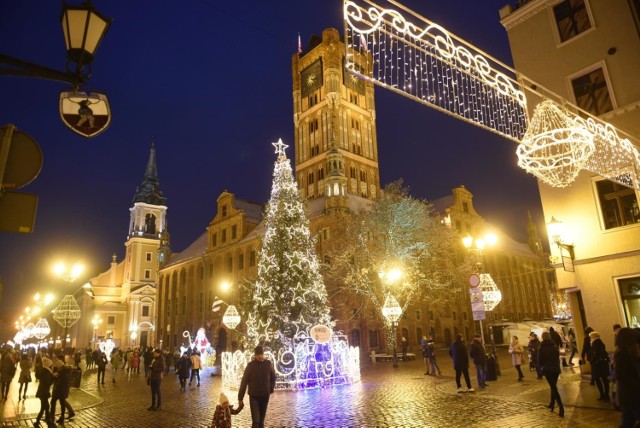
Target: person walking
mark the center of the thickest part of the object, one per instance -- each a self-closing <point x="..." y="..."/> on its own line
<point x="586" y="351"/>
<point x="477" y="353"/>
<point x="600" y="365"/>
<point x="222" y="415"/>
<point x="147" y="358"/>
<point x="260" y="378"/>
<point x="425" y="354"/>
<point x="533" y="346"/>
<point x="460" y="356"/>
<point x="196" y="364"/>
<point x="168" y="361"/>
<point x="115" y="363"/>
<point x="627" y="364"/>
<point x="557" y="339"/>
<point x="431" y="350"/>
<point x="101" y="362"/>
<point x="61" y="379"/>
<point x="25" y="376"/>
<point x="88" y="359"/>
<point x="135" y="362"/>
<point x="516" y="350"/>
<point x="44" y="375"/>
<point x="7" y="372"/>
<point x="156" y="369"/>
<point x="549" y="363"/>
<point x="184" y="366"/>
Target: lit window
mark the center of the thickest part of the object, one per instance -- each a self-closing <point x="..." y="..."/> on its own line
<point x="630" y="293"/>
<point x="145" y="311"/>
<point x="592" y="93"/>
<point x="572" y="18"/>
<point x="619" y="204"/>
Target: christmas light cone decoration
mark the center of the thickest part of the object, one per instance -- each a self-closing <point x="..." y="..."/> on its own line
<point x="555" y="147"/>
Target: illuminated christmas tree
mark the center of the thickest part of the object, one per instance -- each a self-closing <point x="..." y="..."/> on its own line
<point x="289" y="295"/>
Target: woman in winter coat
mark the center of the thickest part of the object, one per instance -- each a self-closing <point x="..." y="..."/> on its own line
<point x="184" y="366"/>
<point x="45" y="380"/>
<point x="600" y="365"/>
<point x="516" y="350"/>
<point x="25" y="376"/>
<point x="7" y="371"/>
<point x="549" y="364"/>
<point x="627" y="364"/>
<point x="586" y="350"/>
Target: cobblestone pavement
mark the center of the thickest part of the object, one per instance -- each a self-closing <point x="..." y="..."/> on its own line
<point x="386" y="397"/>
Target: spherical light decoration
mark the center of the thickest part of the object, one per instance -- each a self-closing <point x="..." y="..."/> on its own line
<point x="28" y="330"/>
<point x="491" y="294"/>
<point x="68" y="312"/>
<point x="231" y="317"/>
<point x="41" y="329"/>
<point x="556" y="146"/>
<point x="391" y="309"/>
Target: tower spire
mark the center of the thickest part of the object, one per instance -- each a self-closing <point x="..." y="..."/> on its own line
<point x="149" y="191"/>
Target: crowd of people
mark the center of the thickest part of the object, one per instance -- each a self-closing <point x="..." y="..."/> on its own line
<point x="616" y="374"/>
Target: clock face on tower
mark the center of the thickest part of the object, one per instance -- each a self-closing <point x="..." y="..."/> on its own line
<point x="311" y="78"/>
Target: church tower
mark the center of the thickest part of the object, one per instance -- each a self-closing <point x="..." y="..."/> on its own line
<point x="334" y="116"/>
<point x="147" y="246"/>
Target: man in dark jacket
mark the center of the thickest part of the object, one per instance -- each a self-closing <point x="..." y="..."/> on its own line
<point x="45" y="379"/>
<point x="260" y="377"/>
<point x="101" y="362"/>
<point x="476" y="351"/>
<point x="534" y="345"/>
<point x="155" y="379"/>
<point x="460" y="355"/>
<point x="61" y="379"/>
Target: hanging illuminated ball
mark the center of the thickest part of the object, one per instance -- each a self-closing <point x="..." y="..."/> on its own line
<point x="231" y="317"/>
<point x="556" y="146"/>
<point x="41" y="329"/>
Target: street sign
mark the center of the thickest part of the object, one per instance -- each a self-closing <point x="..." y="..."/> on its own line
<point x="87" y="114"/>
<point x="18" y="212"/>
<point x="477" y="303"/>
<point x="474" y="280"/>
<point x="20" y="158"/>
<point x="20" y="164"/>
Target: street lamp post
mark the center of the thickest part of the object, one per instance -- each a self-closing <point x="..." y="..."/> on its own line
<point x="484" y="287"/>
<point x="83" y="28"/>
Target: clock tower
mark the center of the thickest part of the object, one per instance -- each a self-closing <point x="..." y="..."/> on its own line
<point x="334" y="117"/>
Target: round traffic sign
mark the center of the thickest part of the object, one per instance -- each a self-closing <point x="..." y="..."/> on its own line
<point x="474" y="280"/>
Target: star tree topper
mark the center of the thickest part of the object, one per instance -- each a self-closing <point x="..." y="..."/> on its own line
<point x="280" y="147"/>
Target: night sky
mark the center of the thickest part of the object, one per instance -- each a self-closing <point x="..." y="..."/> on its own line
<point x="211" y="82"/>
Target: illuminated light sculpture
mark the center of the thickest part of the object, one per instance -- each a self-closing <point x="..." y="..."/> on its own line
<point x="555" y="147"/>
<point x="41" y="329"/>
<point x="306" y="364"/>
<point x="202" y="344"/>
<point x="19" y="337"/>
<point x="231" y="317"/>
<point x="429" y="65"/>
<point x="28" y="330"/>
<point x="107" y="347"/>
<point x="289" y="301"/>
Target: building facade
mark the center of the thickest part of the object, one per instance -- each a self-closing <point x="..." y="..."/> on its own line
<point x="124" y="297"/>
<point x="588" y="51"/>
<point x="336" y="167"/>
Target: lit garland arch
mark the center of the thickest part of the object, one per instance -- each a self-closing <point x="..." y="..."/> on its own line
<point x="402" y="51"/>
